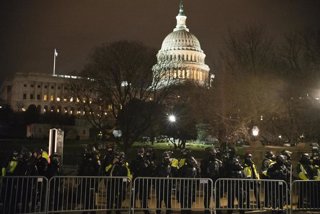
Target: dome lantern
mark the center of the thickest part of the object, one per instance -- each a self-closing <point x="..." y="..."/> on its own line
<point x="181" y="19"/>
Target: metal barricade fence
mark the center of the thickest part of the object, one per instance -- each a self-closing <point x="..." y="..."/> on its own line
<point x="33" y="194"/>
<point x="172" y="194"/>
<point x="23" y="194"/>
<point x="85" y="194"/>
<point x="251" y="194"/>
<point x="305" y="195"/>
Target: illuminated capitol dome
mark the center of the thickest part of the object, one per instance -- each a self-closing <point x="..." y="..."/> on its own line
<point x="180" y="58"/>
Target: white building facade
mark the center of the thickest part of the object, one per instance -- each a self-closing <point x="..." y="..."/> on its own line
<point x="45" y="91"/>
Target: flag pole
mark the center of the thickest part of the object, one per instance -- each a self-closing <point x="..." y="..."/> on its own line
<point x="54" y="62"/>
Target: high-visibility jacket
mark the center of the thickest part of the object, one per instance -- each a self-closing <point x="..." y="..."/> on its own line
<point x="303" y="173"/>
<point x="3" y="171"/>
<point x="110" y="170"/>
<point x="266" y="164"/>
<point x="12" y="167"/>
<point x="251" y="171"/>
<point x="45" y="155"/>
<point x="317" y="173"/>
<point x="175" y="163"/>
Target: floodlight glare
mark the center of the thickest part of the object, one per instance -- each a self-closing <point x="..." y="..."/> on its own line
<point x="172" y="118"/>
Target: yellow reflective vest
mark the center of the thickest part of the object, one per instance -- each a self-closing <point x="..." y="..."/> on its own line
<point x="248" y="171"/>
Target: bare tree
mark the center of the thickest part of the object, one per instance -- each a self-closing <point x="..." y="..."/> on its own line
<point x="249" y="91"/>
<point x="117" y="74"/>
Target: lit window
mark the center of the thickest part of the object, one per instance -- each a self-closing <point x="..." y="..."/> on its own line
<point x="58" y="110"/>
<point x="45" y="97"/>
<point x="71" y="99"/>
<point x="78" y="100"/>
<point x="23" y="109"/>
<point x="51" y="98"/>
<point x="58" y="99"/>
<point x="65" y="99"/>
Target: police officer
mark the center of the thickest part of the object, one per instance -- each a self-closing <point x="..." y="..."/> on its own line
<point x="139" y="168"/>
<point x="41" y="163"/>
<point x="235" y="190"/>
<point x="279" y="171"/>
<point x="31" y="164"/>
<point x="188" y="168"/>
<point x="150" y="161"/>
<point x="108" y="158"/>
<point x="316" y="192"/>
<point x="250" y="172"/>
<point x="211" y="168"/>
<point x="12" y="165"/>
<point x="54" y="168"/>
<point x="306" y="172"/>
<point x="90" y="166"/>
<point x="117" y="188"/>
<point x="266" y="163"/>
<point x="287" y="154"/>
<point x="164" y="186"/>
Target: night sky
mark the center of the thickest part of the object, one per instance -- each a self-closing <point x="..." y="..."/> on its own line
<point x="31" y="29"/>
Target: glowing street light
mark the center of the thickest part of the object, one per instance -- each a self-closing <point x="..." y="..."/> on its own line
<point x="255" y="131"/>
<point x="172" y="118"/>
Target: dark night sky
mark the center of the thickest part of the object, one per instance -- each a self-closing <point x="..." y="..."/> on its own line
<point x="31" y="29"/>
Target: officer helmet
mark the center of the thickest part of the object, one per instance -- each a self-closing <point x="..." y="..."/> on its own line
<point x="231" y="152"/>
<point x="248" y="155"/>
<point x="140" y="151"/>
<point x="166" y="156"/>
<point x="287" y="154"/>
<point x="281" y="159"/>
<point x="236" y="164"/>
<point x="212" y="151"/>
<point x="27" y="155"/>
<point x="315" y="151"/>
<point x="149" y="151"/>
<point x="248" y="159"/>
<point x="305" y="158"/>
<point x="109" y="147"/>
<point x="185" y="152"/>
<point x="120" y="157"/>
<point x="270" y="155"/>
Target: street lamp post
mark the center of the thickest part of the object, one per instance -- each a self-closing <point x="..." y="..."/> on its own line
<point x="172" y="119"/>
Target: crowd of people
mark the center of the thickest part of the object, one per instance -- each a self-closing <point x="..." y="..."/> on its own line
<point x="215" y="164"/>
<point x="27" y="163"/>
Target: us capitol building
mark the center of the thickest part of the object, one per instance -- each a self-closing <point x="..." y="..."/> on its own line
<point x="180" y="59"/>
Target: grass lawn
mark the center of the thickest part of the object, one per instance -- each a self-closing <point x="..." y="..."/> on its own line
<point x="73" y="149"/>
